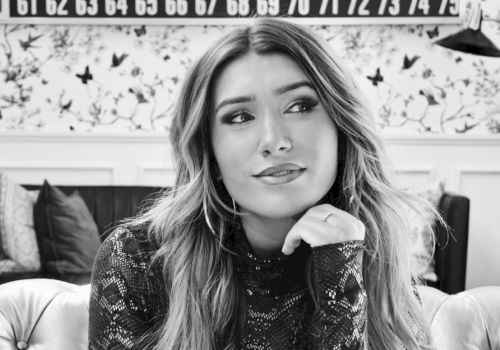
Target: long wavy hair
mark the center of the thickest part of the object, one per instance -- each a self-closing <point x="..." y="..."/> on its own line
<point x="190" y="221"/>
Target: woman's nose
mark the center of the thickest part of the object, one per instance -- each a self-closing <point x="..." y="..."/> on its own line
<point x="275" y="136"/>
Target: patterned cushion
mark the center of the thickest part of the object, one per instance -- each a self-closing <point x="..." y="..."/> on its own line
<point x="422" y="233"/>
<point x="18" y="244"/>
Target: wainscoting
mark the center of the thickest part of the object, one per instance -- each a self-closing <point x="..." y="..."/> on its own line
<point x="470" y="165"/>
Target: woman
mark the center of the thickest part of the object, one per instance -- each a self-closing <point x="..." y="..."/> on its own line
<point x="282" y="230"/>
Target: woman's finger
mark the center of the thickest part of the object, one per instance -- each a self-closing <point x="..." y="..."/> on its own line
<point x="292" y="241"/>
<point x="321" y="225"/>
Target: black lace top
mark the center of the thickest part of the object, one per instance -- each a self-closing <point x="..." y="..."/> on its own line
<point x="128" y="299"/>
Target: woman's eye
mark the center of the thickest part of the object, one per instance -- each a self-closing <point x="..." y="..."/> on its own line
<point x="302" y="106"/>
<point x="237" y="118"/>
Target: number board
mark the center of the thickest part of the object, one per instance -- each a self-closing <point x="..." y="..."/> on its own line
<point x="228" y="11"/>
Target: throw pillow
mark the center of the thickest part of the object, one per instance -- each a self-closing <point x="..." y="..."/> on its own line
<point x="422" y="232"/>
<point x="18" y="244"/>
<point x="67" y="234"/>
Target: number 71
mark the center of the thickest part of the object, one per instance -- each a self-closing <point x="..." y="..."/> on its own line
<point x="324" y="4"/>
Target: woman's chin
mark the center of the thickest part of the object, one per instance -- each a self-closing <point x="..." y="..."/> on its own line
<point x="294" y="213"/>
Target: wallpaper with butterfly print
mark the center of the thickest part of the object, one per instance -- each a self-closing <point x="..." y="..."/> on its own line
<point x="124" y="78"/>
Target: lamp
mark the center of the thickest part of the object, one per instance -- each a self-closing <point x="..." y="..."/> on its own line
<point x="471" y="40"/>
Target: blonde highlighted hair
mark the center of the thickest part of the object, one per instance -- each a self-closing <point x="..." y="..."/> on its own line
<point x="206" y="307"/>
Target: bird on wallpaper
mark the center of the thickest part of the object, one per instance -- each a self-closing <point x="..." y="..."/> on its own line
<point x="409" y="62"/>
<point x="466" y="128"/>
<point x="117" y="60"/>
<point x="66" y="106"/>
<point x="86" y="76"/>
<point x="429" y="96"/>
<point x="377" y="78"/>
<point x="138" y="94"/>
<point x="433" y="33"/>
<point x="27" y="44"/>
<point x="140" y="31"/>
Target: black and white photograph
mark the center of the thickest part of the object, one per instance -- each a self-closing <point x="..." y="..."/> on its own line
<point x="249" y="174"/>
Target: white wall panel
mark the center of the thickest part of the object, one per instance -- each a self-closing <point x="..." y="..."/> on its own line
<point x="60" y="173"/>
<point x="155" y="173"/>
<point x="482" y="185"/>
<point x="413" y="175"/>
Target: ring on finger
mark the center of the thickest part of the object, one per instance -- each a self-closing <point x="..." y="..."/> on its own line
<point x="327" y="216"/>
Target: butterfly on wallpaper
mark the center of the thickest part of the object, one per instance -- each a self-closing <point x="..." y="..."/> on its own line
<point x="377" y="78"/>
<point x="66" y="106"/>
<point x="27" y="44"/>
<point x="458" y="59"/>
<point x="140" y="31"/>
<point x="86" y="76"/>
<point x="166" y="57"/>
<point x="429" y="96"/>
<point x="409" y="62"/>
<point x="433" y="33"/>
<point x="138" y="94"/>
<point x="117" y="60"/>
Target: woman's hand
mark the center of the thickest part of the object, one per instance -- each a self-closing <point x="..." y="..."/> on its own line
<point x="321" y="225"/>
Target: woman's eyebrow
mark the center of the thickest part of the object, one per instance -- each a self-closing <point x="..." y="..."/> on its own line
<point x="278" y="91"/>
<point x="234" y="100"/>
<point x="293" y="86"/>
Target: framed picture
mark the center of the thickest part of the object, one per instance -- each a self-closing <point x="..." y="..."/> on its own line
<point x="201" y="12"/>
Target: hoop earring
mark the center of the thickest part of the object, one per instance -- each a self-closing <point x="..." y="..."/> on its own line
<point x="207" y="219"/>
<point x="234" y="209"/>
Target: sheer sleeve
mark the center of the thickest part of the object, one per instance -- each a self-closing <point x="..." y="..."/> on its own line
<point x="341" y="322"/>
<point x="120" y="304"/>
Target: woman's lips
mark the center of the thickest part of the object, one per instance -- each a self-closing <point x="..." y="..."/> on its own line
<point x="280" y="174"/>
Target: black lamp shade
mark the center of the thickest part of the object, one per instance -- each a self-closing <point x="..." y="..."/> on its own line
<point x="470" y="41"/>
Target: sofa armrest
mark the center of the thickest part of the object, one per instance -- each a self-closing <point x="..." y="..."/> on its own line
<point x="44" y="314"/>
<point x="467" y="320"/>
<point x="451" y="246"/>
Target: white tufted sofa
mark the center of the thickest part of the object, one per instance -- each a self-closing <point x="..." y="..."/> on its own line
<point x="44" y="314"/>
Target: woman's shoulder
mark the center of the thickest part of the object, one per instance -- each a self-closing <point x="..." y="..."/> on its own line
<point x="127" y="250"/>
<point x="131" y="241"/>
<point x="126" y="279"/>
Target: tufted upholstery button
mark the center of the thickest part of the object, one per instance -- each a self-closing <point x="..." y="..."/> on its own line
<point x="21" y="345"/>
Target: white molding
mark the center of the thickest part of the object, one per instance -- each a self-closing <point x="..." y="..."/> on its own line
<point x="441" y="140"/>
<point x="64" y="137"/>
<point x="414" y="169"/>
<point x="16" y="165"/>
<point x="163" y="137"/>
<point x="479" y="169"/>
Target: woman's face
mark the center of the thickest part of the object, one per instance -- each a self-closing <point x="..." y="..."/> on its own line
<point x="274" y="143"/>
